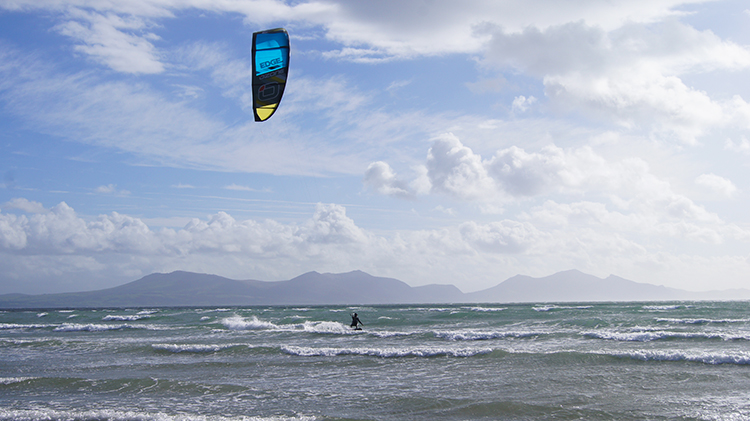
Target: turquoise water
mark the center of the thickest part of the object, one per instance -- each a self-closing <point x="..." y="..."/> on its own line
<point x="613" y="361"/>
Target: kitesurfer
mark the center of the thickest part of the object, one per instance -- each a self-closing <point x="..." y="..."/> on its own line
<point x="356" y="321"/>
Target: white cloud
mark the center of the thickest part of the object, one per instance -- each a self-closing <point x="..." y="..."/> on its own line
<point x="717" y="184"/>
<point x="501" y="237"/>
<point x="105" y="40"/>
<point x="743" y="146"/>
<point x="380" y="177"/>
<point x="24" y="205"/>
<point x="642" y="202"/>
<point x="552" y="237"/>
<point x="630" y="75"/>
<point x="522" y="104"/>
<point x="111" y="189"/>
<point x="454" y="169"/>
<point x="237" y="187"/>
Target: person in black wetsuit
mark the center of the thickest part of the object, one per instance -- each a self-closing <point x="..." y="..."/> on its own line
<point x="356" y="321"/>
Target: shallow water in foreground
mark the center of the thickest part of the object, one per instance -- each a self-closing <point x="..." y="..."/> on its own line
<point x="601" y="361"/>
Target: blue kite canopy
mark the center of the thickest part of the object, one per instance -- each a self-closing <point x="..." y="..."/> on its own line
<point x="270" y="68"/>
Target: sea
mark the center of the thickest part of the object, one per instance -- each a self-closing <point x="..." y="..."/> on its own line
<point x="535" y="361"/>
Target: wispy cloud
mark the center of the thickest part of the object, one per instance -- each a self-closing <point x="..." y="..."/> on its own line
<point x="246" y="188"/>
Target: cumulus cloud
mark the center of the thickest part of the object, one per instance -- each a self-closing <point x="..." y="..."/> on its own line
<point x="380" y="177"/>
<point x="513" y="174"/>
<point x="717" y="184"/>
<point x="63" y="244"/>
<point x="24" y="205"/>
<point x="522" y="104"/>
<point x="630" y="75"/>
<point x="454" y="169"/>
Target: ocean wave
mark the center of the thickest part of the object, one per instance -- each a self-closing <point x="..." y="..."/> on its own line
<point x="655" y="335"/>
<point x="92" y="327"/>
<point x="254" y="323"/>
<point x="702" y="321"/>
<point x="193" y="348"/>
<point x="713" y="358"/>
<point x="326" y="327"/>
<point x="387" y="352"/>
<point x="557" y="307"/>
<point x="474" y="335"/>
<point x="125" y="317"/>
<point x="663" y="307"/>
<point x="4" y="326"/>
<point x="11" y="380"/>
<point x="49" y="414"/>
<point x="486" y="309"/>
<point x="393" y="334"/>
<point x="241" y="323"/>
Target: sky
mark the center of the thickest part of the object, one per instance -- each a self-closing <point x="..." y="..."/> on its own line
<point x="429" y="141"/>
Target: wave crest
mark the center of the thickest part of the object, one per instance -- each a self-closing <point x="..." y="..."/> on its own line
<point x="388" y="352"/>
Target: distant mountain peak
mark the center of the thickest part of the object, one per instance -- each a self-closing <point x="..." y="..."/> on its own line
<point x="182" y="288"/>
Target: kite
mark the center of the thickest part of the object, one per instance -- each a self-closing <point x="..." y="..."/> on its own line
<point x="270" y="67"/>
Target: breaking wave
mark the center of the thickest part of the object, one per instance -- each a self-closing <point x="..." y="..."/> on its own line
<point x="386" y="352"/>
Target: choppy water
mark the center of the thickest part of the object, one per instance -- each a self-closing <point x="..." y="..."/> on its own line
<point x="618" y="361"/>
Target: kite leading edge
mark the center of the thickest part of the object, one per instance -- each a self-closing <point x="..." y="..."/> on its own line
<point x="270" y="68"/>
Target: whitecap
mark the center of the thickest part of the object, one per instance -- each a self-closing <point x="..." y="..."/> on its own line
<point x="662" y="307"/>
<point x="12" y="380"/>
<point x="654" y="335"/>
<point x="477" y="335"/>
<point x="191" y="348"/>
<point x="124" y="317"/>
<point x="386" y="352"/>
<point x="241" y="323"/>
<point x="701" y="321"/>
<point x="714" y="358"/>
<point x="326" y="327"/>
<point x="485" y="309"/>
<point x="92" y="327"/>
<point x="119" y="415"/>
<point x="23" y="326"/>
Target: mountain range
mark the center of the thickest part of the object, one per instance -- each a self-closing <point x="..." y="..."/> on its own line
<point x="190" y="289"/>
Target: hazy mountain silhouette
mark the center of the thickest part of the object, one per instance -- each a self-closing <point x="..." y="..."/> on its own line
<point x="357" y="287"/>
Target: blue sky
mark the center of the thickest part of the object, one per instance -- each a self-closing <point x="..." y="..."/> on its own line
<point x="434" y="142"/>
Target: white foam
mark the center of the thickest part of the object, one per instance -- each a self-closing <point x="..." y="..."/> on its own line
<point x="11" y="380"/>
<point x="391" y="334"/>
<point x="124" y="317"/>
<point x="241" y="323"/>
<point x="662" y="307"/>
<point x="478" y="335"/>
<point x="556" y="307"/>
<point x="23" y="326"/>
<point x="700" y="357"/>
<point x="326" y="327"/>
<point x="654" y="335"/>
<point x="387" y="352"/>
<point x="91" y="327"/>
<point x="119" y="415"/>
<point x="702" y="321"/>
<point x="487" y="308"/>
<point x="192" y="348"/>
